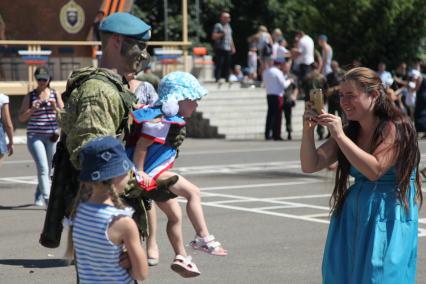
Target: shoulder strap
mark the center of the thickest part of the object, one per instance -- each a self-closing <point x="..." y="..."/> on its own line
<point x="81" y="76"/>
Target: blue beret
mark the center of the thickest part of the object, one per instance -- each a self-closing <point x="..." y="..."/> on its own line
<point x="127" y="25"/>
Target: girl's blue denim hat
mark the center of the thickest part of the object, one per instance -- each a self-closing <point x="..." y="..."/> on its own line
<point x="179" y="86"/>
<point x="102" y="159"/>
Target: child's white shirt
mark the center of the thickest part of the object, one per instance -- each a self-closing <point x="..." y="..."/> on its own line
<point x="156" y="131"/>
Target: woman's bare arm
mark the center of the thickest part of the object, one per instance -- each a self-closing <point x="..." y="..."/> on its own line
<point x="25" y="110"/>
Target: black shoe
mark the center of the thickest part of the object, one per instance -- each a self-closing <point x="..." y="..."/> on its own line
<point x="289" y="136"/>
<point x="278" y="139"/>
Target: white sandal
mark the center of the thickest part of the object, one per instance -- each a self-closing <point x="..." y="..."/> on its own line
<point x="184" y="266"/>
<point x="209" y="245"/>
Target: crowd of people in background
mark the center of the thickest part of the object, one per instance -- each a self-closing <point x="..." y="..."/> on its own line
<point x="308" y="65"/>
<point x="291" y="73"/>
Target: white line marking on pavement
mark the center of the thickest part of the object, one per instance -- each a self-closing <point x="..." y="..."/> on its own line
<point x="278" y="207"/>
<point x="317" y="218"/>
<point x="190" y="153"/>
<point x="422" y="232"/>
<point x="20" y="179"/>
<point x="18" y="162"/>
<point x="317" y="215"/>
<point x="265" y="212"/>
<point x="227" y="201"/>
<point x="265" y="200"/>
<point x="237" y="168"/>
<point x="301" y="181"/>
<point x="301" y="197"/>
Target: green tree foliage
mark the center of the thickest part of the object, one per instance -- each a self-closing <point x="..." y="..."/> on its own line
<point x="369" y="30"/>
<point x="372" y="30"/>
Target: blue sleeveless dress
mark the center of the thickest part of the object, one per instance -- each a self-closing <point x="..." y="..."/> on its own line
<point x="372" y="239"/>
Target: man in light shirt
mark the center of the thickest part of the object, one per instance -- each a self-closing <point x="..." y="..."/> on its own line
<point x="304" y="53"/>
<point x="384" y="75"/>
<point x="275" y="83"/>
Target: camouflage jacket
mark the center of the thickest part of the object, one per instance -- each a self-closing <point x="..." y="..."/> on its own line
<point x="97" y="107"/>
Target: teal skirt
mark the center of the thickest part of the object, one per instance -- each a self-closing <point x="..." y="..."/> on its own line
<point x="372" y="238"/>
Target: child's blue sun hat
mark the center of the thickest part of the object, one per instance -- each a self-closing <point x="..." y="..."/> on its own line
<point x="103" y="158"/>
<point x="178" y="86"/>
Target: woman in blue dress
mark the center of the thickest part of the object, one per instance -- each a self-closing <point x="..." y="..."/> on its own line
<point x="373" y="230"/>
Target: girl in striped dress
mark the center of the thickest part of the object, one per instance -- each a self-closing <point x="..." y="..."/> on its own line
<point x="38" y="110"/>
<point x="102" y="227"/>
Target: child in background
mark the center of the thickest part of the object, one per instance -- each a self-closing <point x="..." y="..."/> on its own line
<point x="101" y="225"/>
<point x="410" y="98"/>
<point x="236" y="74"/>
<point x="5" y="126"/>
<point x="252" y="63"/>
<point x="153" y="156"/>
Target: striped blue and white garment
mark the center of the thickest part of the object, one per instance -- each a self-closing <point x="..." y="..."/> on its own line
<point x="97" y="257"/>
<point x="42" y="120"/>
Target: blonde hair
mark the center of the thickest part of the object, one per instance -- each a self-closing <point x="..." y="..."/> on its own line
<point x="83" y="195"/>
<point x="262" y="28"/>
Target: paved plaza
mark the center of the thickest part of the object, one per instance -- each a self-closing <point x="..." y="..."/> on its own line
<point x="271" y="217"/>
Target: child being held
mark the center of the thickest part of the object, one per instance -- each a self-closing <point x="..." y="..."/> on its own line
<point x="154" y="155"/>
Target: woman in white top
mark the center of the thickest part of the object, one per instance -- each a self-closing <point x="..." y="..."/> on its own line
<point x="5" y="126"/>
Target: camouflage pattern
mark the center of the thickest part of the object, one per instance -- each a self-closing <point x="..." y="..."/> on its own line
<point x="96" y="104"/>
<point x="95" y="108"/>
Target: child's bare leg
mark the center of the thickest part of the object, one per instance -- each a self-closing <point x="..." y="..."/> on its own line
<point x="191" y="193"/>
<point x="151" y="242"/>
<point x="174" y="224"/>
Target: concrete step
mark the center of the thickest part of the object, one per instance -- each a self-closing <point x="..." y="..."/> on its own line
<point x="241" y="113"/>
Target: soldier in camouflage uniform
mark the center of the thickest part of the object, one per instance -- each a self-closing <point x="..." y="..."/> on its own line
<point x="97" y="103"/>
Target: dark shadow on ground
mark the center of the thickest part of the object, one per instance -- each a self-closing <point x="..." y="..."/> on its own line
<point x="35" y="263"/>
<point x="21" y="207"/>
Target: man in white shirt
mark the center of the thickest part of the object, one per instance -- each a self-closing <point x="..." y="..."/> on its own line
<point x="384" y="75"/>
<point x="304" y="52"/>
<point x="275" y="83"/>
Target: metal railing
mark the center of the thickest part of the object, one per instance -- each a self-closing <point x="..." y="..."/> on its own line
<point x="16" y="87"/>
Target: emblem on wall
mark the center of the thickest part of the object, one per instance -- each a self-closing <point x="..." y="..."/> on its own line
<point x="72" y="17"/>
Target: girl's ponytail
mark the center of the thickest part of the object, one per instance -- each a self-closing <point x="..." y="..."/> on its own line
<point x="82" y="195"/>
<point x="116" y="200"/>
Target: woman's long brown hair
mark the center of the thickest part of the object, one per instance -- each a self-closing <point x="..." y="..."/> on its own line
<point x="405" y="145"/>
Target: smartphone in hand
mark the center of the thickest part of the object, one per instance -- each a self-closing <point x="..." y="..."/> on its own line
<point x="317" y="99"/>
